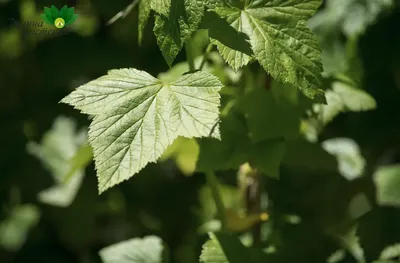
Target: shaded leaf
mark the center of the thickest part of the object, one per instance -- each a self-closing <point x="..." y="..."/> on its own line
<point x="174" y="29"/>
<point x="14" y="230"/>
<point x="311" y="157"/>
<point x="390" y="252"/>
<point x="58" y="146"/>
<point x="387" y="183"/>
<point x="350" y="161"/>
<point x="227" y="34"/>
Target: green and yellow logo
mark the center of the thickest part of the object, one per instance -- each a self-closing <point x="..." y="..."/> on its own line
<point x="59" y="18"/>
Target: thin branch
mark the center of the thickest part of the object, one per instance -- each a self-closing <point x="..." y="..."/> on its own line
<point x="124" y="13"/>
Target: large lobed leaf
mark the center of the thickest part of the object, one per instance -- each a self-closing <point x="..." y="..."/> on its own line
<point x="281" y="41"/>
<point x="136" y="117"/>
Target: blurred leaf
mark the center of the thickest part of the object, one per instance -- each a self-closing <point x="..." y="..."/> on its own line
<point x="344" y="98"/>
<point x="311" y="157"/>
<point x="350" y="161"/>
<point x="230" y="197"/>
<point x="337" y="256"/>
<point x="14" y="230"/>
<point x="390" y="252"/>
<point x="10" y="43"/>
<point x="136" y="250"/>
<point x="351" y="16"/>
<point x="235" y="148"/>
<point x="80" y="160"/>
<point x="185" y="152"/>
<point x="86" y="25"/>
<point x="58" y="146"/>
<point x="350" y="241"/>
<point x="387" y="183"/>
<point x="228" y="153"/>
<point x="138" y="116"/>
<point x="358" y="206"/>
<point x="269" y="117"/>
<point x="237" y="223"/>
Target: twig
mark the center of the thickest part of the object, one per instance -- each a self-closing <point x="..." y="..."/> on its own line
<point x="123" y="13"/>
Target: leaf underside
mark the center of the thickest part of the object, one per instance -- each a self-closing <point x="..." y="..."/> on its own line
<point x="136" y="117"/>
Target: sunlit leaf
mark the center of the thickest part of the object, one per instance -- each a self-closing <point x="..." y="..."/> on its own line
<point x="138" y="116"/>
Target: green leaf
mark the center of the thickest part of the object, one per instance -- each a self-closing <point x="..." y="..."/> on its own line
<point x="144" y="15"/>
<point x="213" y="3"/>
<point x="350" y="161"/>
<point x="174" y="30"/>
<point x="268" y="117"/>
<point x="14" y="230"/>
<point x="54" y="12"/>
<point x="161" y="6"/>
<point x="185" y="152"/>
<point x="225" y="248"/>
<point x="81" y="159"/>
<point x="282" y="43"/>
<point x="137" y="117"/>
<point x="351" y="16"/>
<point x="212" y="252"/>
<point x="390" y="252"/>
<point x="226" y="34"/>
<point x="58" y="146"/>
<point x="387" y="183"/>
<point x="267" y="156"/>
<point x="344" y="98"/>
<point x="310" y="157"/>
<point x="351" y="242"/>
<point x="236" y="148"/>
<point x="231" y="151"/>
<point x="136" y="250"/>
<point x="336" y="256"/>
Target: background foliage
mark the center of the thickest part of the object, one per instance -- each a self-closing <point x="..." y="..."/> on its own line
<point x="337" y="196"/>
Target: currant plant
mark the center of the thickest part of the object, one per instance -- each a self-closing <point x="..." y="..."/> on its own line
<point x="250" y="110"/>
